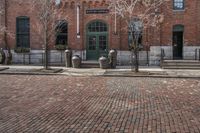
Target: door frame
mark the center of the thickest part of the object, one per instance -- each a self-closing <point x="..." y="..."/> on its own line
<point x="97" y="34"/>
<point x="177" y="29"/>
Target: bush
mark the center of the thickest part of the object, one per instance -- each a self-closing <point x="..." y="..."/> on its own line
<point x="22" y="50"/>
<point x="60" y="47"/>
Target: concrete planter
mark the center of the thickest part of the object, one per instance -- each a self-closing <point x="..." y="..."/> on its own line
<point x="76" y="61"/>
<point x="104" y="62"/>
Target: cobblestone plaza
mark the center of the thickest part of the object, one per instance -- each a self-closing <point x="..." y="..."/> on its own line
<point x="63" y="104"/>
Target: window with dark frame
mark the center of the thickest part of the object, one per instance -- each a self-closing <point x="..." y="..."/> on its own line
<point x="62" y="33"/>
<point x="97" y="27"/>
<point x="178" y="4"/>
<point x="23" y="32"/>
<point x="131" y="40"/>
<point x="131" y="36"/>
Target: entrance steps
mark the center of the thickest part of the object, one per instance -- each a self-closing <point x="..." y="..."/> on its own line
<point x="89" y="64"/>
<point x="180" y="64"/>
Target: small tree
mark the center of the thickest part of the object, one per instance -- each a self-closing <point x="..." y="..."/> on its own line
<point x="2" y="25"/>
<point x="138" y="15"/>
<point x="48" y="12"/>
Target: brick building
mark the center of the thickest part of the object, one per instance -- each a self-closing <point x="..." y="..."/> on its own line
<point x="91" y="31"/>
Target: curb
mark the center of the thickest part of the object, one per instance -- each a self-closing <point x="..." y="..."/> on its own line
<point x="4" y="68"/>
<point x="153" y="76"/>
<point x="103" y="75"/>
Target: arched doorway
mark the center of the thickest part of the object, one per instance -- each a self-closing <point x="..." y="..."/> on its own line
<point x="97" y="40"/>
<point x="178" y="41"/>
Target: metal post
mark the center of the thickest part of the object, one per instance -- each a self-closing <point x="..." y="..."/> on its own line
<point x="29" y="58"/>
<point x="23" y="59"/>
<point x="61" y="57"/>
<point x="195" y="54"/>
<point x="147" y="57"/>
<point x="199" y="54"/>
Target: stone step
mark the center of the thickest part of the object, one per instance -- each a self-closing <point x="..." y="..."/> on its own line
<point x="90" y="64"/>
<point x="180" y="67"/>
<point x="181" y="64"/>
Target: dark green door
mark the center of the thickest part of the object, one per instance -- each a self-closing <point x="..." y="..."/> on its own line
<point x="178" y="41"/>
<point x="97" y="40"/>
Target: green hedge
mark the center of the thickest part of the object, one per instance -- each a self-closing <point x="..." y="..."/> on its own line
<point x="60" y="47"/>
<point x="22" y="50"/>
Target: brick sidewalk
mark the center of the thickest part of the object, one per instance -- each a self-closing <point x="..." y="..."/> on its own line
<point x="52" y="104"/>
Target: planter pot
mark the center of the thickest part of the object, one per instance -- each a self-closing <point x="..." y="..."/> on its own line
<point x="76" y="61"/>
<point x="103" y="61"/>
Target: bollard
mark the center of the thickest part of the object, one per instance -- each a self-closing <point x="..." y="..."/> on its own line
<point x="113" y="58"/>
<point x="8" y="57"/>
<point x="103" y="61"/>
<point x="2" y="56"/>
<point x="68" y="58"/>
<point x="76" y="61"/>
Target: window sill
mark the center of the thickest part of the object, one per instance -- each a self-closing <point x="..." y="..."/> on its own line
<point x="179" y="10"/>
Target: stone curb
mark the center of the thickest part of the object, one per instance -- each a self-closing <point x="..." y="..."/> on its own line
<point x="4" y="68"/>
<point x="102" y="75"/>
<point x="153" y="76"/>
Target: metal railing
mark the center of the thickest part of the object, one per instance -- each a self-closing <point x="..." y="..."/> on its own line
<point x="39" y="58"/>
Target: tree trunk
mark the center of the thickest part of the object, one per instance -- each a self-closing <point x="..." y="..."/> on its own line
<point x="132" y="59"/>
<point x="136" y="60"/>
<point x="46" y="47"/>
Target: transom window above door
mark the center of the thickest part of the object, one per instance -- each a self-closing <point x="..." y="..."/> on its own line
<point x="97" y="27"/>
<point x="178" y="4"/>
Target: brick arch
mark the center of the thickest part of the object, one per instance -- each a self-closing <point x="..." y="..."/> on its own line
<point x="72" y="4"/>
<point x="176" y="27"/>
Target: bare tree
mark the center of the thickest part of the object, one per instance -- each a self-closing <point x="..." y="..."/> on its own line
<point x="138" y="15"/>
<point x="2" y="22"/>
<point x="50" y="15"/>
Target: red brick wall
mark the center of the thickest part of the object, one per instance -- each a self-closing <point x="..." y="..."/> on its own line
<point x="190" y="18"/>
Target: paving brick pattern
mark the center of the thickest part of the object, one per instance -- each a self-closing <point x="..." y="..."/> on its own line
<point x="61" y="104"/>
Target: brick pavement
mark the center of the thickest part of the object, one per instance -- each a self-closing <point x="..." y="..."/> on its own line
<point x="61" y="104"/>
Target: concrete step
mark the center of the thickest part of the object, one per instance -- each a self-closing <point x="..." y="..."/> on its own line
<point x="181" y="61"/>
<point x="90" y="64"/>
<point x="181" y="67"/>
<point x="181" y="64"/>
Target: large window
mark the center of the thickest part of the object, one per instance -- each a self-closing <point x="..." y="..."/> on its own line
<point x="23" y="32"/>
<point x="135" y="33"/>
<point x="178" y="4"/>
<point x="61" y="33"/>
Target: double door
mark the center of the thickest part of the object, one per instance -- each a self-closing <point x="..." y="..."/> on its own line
<point x="97" y="46"/>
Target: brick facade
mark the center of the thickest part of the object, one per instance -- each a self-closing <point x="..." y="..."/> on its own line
<point x="153" y="38"/>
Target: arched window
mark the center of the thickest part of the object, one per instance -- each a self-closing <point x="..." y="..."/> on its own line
<point x="135" y="30"/>
<point x="61" y="33"/>
<point x="97" y="26"/>
<point x="23" y="32"/>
